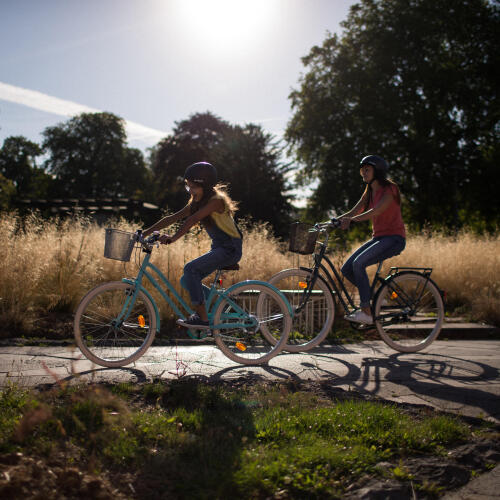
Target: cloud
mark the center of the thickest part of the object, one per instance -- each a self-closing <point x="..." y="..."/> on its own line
<point x="54" y="105"/>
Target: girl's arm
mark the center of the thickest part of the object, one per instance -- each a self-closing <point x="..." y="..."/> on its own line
<point x="357" y="209"/>
<point x="214" y="205"/>
<point x="379" y="208"/>
<point x="167" y="221"/>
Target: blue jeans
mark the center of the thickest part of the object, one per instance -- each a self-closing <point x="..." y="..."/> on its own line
<point x="219" y="256"/>
<point x="373" y="251"/>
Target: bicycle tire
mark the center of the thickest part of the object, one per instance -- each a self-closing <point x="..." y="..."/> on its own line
<point x="408" y="312"/>
<point x="108" y="344"/>
<point x="270" y="318"/>
<point x="311" y="326"/>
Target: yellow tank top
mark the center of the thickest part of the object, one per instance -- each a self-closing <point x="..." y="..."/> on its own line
<point x="224" y="221"/>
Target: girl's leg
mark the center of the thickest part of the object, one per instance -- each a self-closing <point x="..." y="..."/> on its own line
<point x="347" y="269"/>
<point x="380" y="249"/>
<point x="198" y="269"/>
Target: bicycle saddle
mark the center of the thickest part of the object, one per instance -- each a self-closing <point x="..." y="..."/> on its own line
<point x="233" y="267"/>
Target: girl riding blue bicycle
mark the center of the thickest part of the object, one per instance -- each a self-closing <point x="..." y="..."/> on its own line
<point x="211" y="206"/>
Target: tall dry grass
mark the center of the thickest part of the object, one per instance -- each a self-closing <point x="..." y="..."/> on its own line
<point x="47" y="266"/>
<point x="465" y="266"/>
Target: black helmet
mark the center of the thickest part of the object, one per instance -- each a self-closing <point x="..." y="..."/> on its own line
<point x="202" y="173"/>
<point x="377" y="162"/>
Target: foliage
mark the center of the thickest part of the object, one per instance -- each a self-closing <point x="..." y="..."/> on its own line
<point x="246" y="158"/>
<point x="18" y="164"/>
<point x="7" y="192"/>
<point x="89" y="158"/>
<point x="415" y="81"/>
<point x="190" y="439"/>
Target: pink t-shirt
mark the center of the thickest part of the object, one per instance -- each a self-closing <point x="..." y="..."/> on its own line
<point x="390" y="221"/>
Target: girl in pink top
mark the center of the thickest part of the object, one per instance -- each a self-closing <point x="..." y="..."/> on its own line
<point x="380" y="203"/>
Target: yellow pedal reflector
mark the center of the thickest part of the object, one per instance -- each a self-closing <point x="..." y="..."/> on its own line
<point x="240" y="346"/>
<point x="302" y="284"/>
<point x="394" y="295"/>
<point x="141" y="321"/>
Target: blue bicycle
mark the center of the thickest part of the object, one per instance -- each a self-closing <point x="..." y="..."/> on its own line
<point x="116" y="322"/>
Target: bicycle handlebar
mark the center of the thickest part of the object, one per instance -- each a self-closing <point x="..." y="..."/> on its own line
<point x="148" y="242"/>
<point x="324" y="226"/>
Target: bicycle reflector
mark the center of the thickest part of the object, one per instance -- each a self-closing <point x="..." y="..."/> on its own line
<point x="141" y="321"/>
<point x="394" y="295"/>
<point x="303" y="285"/>
<point x="240" y="346"/>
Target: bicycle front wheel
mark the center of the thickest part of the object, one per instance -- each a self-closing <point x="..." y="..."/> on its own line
<point x="256" y="323"/>
<point x="409" y="312"/>
<point x="311" y="325"/>
<point x="110" y="328"/>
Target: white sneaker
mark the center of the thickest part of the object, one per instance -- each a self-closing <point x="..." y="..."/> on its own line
<point x="359" y="317"/>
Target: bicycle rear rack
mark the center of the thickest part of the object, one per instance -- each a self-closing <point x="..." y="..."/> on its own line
<point x="426" y="271"/>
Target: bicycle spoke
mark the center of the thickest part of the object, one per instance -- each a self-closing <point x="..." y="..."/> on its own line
<point x="265" y="313"/>
<point x="409" y="312"/>
<point x="97" y="332"/>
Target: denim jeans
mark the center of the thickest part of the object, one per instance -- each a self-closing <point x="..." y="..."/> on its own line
<point x="372" y="252"/>
<point x="225" y="251"/>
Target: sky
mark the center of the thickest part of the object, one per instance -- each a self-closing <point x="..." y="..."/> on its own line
<point x="155" y="62"/>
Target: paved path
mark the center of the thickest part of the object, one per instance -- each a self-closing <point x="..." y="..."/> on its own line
<point x="459" y="376"/>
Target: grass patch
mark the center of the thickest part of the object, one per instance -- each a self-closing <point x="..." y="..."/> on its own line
<point x="188" y="439"/>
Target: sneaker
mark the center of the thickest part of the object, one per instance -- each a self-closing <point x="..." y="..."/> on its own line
<point x="194" y="322"/>
<point x="359" y="316"/>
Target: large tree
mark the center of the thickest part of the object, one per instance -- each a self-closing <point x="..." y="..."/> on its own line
<point x="89" y="157"/>
<point x="18" y="163"/>
<point x="246" y="158"/>
<point x="415" y="81"/>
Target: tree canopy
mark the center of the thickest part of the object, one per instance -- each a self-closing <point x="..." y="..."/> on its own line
<point x="415" y="81"/>
<point x="18" y="163"/>
<point x="246" y="158"/>
<point x="88" y="157"/>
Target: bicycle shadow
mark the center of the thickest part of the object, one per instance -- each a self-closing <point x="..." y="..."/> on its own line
<point x="439" y="380"/>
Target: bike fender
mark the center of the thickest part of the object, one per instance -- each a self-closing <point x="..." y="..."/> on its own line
<point x="148" y="295"/>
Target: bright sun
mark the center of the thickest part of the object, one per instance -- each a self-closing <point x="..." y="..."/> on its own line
<point x="224" y="26"/>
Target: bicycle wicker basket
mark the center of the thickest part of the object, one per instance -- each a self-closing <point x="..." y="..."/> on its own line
<point x="302" y="239"/>
<point x="118" y="245"/>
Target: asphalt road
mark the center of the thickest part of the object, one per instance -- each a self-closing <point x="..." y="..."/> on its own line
<point x="459" y="376"/>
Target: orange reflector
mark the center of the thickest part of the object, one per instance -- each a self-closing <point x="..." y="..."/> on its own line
<point x="302" y="284"/>
<point x="141" y="321"/>
<point x="240" y="346"/>
<point x="394" y="295"/>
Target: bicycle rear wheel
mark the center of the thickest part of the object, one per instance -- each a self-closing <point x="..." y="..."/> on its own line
<point x="311" y="325"/>
<point x="408" y="312"/>
<point x="258" y="323"/>
<point x="110" y="328"/>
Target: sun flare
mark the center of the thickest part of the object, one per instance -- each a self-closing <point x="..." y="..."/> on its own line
<point x="224" y="26"/>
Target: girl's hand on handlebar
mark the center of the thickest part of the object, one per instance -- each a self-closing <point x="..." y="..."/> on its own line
<point x="166" y="239"/>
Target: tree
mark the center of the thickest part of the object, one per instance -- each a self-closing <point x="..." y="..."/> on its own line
<point x="18" y="163"/>
<point x="192" y="140"/>
<point x="7" y="192"/>
<point x="89" y="158"/>
<point x="415" y="81"/>
<point x="246" y="158"/>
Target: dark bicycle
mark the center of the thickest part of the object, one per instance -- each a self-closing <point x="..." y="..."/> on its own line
<point x="407" y="306"/>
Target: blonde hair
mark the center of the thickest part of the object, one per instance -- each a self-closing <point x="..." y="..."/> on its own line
<point x="218" y="190"/>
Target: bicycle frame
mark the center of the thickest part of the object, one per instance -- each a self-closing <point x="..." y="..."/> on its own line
<point x="337" y="287"/>
<point x="215" y="296"/>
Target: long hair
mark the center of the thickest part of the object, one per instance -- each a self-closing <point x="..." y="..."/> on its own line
<point x="384" y="182"/>
<point x="219" y="190"/>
